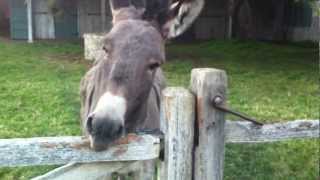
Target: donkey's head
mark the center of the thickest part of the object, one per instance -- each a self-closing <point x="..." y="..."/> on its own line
<point x="134" y="50"/>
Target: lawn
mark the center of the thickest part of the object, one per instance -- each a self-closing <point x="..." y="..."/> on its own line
<point x="272" y="82"/>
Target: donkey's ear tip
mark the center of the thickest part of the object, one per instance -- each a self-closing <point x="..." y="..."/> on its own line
<point x="185" y="14"/>
<point x="117" y="4"/>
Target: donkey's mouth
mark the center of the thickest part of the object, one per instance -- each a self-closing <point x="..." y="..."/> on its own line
<point x="101" y="143"/>
<point x="98" y="144"/>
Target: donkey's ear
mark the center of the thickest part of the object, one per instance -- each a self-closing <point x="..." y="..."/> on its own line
<point x="181" y="15"/>
<point x="116" y="5"/>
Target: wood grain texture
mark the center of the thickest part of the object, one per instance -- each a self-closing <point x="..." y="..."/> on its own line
<point x="145" y="170"/>
<point x="93" y="171"/>
<point x="89" y="171"/>
<point x="103" y="15"/>
<point x="64" y="150"/>
<point x="246" y="132"/>
<point x="89" y="17"/>
<point x="207" y="83"/>
<point x="43" y="20"/>
<point x="178" y="115"/>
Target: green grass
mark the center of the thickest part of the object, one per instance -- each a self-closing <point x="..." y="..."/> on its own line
<point x="268" y="81"/>
<point x="272" y="82"/>
<point x="39" y="94"/>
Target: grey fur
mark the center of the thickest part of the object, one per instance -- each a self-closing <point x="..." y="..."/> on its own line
<point x="129" y="69"/>
<point x="133" y="45"/>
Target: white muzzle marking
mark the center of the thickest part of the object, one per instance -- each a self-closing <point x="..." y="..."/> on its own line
<point x="111" y="106"/>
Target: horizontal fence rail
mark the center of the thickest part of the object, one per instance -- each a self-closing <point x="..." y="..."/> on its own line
<point x="91" y="171"/>
<point x="63" y="150"/>
<point x="246" y="132"/>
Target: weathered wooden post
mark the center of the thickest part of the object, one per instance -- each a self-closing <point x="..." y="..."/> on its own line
<point x="208" y="83"/>
<point x="178" y="115"/>
<point x="145" y="170"/>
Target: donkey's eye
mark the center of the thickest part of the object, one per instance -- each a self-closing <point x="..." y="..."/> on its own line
<point x="154" y="66"/>
<point x="105" y="48"/>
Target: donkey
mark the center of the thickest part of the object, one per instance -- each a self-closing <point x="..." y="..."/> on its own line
<point x="121" y="92"/>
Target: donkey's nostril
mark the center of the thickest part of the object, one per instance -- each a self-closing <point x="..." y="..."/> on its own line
<point x="89" y="123"/>
<point x="121" y="131"/>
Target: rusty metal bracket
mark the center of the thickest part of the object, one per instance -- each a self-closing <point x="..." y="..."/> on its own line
<point x="217" y="102"/>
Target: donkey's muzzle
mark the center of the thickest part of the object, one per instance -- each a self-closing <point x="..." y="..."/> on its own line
<point x="103" y="131"/>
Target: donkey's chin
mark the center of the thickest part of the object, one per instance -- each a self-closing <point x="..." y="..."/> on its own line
<point x="101" y="144"/>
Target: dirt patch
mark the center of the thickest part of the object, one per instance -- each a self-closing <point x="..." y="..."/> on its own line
<point x="69" y="57"/>
<point x="5" y="39"/>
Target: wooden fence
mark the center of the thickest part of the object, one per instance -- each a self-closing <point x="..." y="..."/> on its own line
<point x="192" y="148"/>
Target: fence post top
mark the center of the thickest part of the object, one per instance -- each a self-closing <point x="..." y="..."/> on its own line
<point x="176" y="91"/>
<point x="206" y="70"/>
<point x="208" y="80"/>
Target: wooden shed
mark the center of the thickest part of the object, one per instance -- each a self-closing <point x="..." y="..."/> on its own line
<point x="94" y="16"/>
<point x="18" y="19"/>
<point x="58" y="19"/>
<point x="213" y="21"/>
<point x="220" y="19"/>
<point x="4" y="18"/>
<point x="275" y="20"/>
<point x="46" y="19"/>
